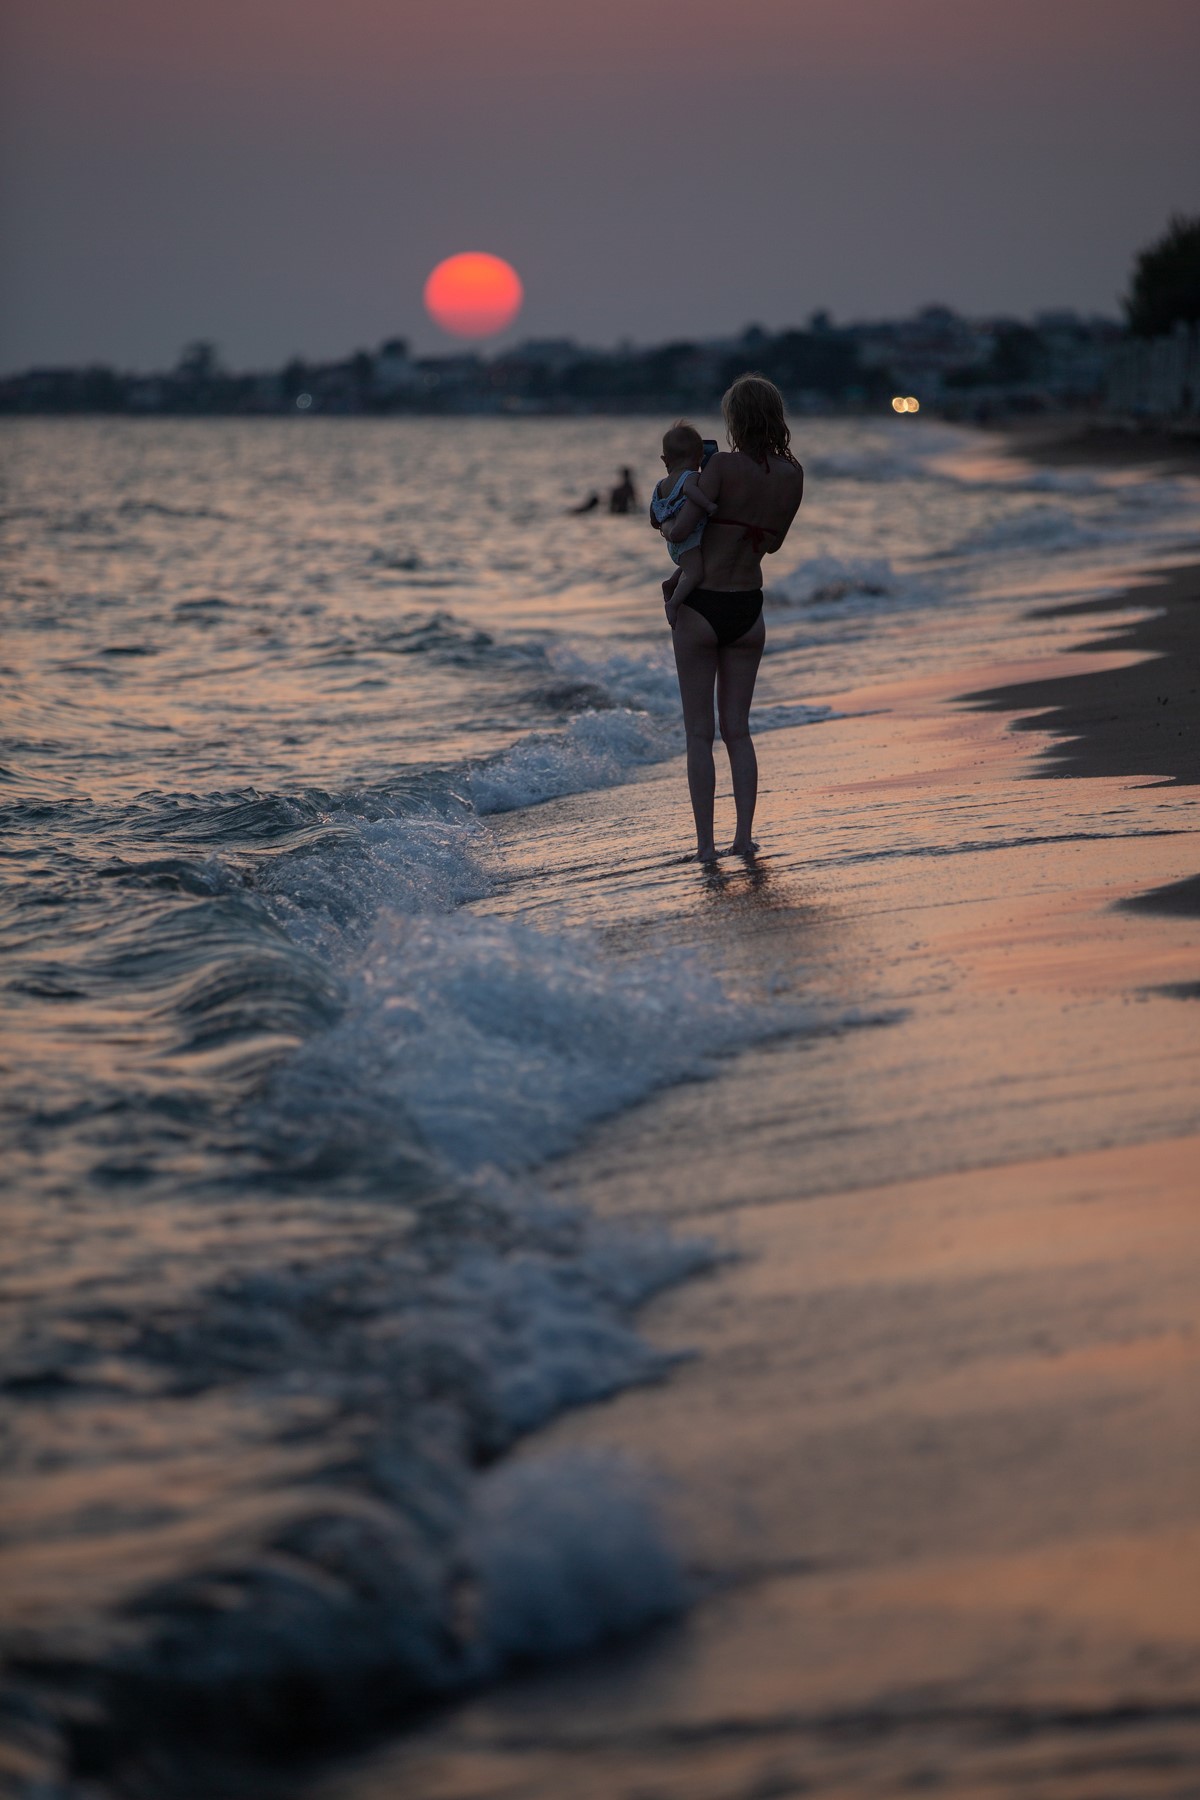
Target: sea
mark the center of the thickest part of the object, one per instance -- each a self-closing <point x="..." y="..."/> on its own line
<point x="281" y="1280"/>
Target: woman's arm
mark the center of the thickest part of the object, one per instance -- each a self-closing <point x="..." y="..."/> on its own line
<point x="779" y="536"/>
<point x="690" y="514"/>
<point x="709" y="477"/>
<point x="693" y="491"/>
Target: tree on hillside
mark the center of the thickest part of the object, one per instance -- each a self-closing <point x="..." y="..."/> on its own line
<point x="362" y="372"/>
<point x="197" y="362"/>
<point x="294" y="378"/>
<point x="1166" y="281"/>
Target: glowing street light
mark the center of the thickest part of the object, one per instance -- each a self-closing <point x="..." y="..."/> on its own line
<point x="906" y="403"/>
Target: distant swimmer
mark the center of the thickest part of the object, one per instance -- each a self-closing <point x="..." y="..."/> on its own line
<point x="588" y="505"/>
<point x="757" y="486"/>
<point x="623" y="499"/>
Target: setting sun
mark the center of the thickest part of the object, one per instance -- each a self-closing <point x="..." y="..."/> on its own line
<point x="474" y="295"/>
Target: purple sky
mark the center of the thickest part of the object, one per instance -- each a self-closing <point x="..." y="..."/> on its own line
<point x="281" y="175"/>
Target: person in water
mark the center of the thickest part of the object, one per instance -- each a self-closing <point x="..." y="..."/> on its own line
<point x="683" y="454"/>
<point x="623" y="497"/>
<point x="719" y="634"/>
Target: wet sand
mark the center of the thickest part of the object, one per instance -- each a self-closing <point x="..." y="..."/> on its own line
<point x="936" y="1456"/>
<point x="1056" y="442"/>
<point x="1140" y="719"/>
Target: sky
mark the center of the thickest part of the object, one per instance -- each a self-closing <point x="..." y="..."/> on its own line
<point x="279" y="176"/>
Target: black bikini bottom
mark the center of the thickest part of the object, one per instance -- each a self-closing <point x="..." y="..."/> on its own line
<point x="730" y="614"/>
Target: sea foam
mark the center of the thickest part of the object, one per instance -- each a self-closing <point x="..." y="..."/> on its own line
<point x="489" y="1043"/>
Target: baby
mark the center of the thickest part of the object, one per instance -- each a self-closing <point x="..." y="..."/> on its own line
<point x="683" y="453"/>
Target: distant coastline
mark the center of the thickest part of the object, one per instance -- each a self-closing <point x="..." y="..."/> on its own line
<point x="974" y="369"/>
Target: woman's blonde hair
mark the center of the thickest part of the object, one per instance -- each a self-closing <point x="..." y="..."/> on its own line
<point x="753" y="412"/>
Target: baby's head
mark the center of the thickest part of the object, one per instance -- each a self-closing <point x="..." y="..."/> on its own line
<point x="682" y="446"/>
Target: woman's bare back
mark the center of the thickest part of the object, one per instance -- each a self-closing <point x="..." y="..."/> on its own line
<point x="755" y="509"/>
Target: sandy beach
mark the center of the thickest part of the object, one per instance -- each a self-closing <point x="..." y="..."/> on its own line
<point x="492" y="1305"/>
<point x="494" y="1308"/>
<point x="935" y="1453"/>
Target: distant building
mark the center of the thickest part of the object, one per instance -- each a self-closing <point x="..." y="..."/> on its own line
<point x="552" y="354"/>
<point x="1157" y="378"/>
<point x="455" y="384"/>
<point x="968" y="367"/>
<point x="394" y="373"/>
<point x="922" y="351"/>
<point x="147" y="393"/>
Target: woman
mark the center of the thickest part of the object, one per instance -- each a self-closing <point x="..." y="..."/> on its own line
<point x="719" y="632"/>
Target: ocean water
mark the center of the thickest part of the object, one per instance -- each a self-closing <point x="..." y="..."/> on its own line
<point x="280" y="1286"/>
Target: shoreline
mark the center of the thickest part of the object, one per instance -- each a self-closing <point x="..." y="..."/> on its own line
<point x="1074" y="440"/>
<point x="933" y="1445"/>
<point x="1136" y="720"/>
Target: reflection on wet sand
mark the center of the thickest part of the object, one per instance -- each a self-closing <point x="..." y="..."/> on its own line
<point x="939" y="1440"/>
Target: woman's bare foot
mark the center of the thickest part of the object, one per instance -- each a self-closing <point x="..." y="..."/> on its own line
<point x="708" y="854"/>
<point x="742" y="847"/>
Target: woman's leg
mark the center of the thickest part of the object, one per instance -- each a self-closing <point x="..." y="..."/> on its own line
<point x="696" y="665"/>
<point x="737" y="668"/>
